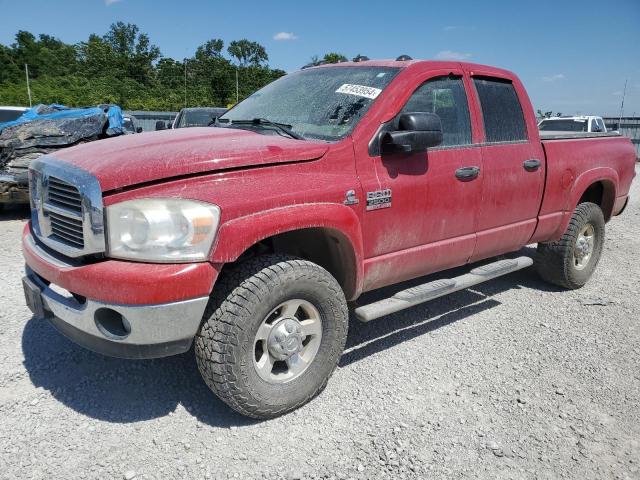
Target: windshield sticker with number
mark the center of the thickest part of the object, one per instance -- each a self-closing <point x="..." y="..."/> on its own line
<point x="359" y="90"/>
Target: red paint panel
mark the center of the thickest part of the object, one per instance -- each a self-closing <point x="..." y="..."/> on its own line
<point x="130" y="159"/>
<point x="403" y="265"/>
<point x="575" y="164"/>
<point x="128" y="283"/>
<point x="238" y="235"/>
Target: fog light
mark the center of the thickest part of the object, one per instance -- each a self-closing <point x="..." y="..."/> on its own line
<point x="112" y="324"/>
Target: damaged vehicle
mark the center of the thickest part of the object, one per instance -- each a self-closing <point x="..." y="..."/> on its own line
<point x="252" y="239"/>
<point x="46" y="129"/>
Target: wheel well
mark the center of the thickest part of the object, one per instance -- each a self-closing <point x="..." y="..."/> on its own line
<point x="326" y="247"/>
<point x="602" y="193"/>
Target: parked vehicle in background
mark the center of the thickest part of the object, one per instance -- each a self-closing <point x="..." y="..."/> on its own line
<point x="197" y="117"/>
<point x="47" y="129"/>
<point x="130" y="125"/>
<point x="584" y="123"/>
<point x="8" y="114"/>
<point x="248" y="239"/>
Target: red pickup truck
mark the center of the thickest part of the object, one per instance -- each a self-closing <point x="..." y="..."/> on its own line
<point x="249" y="238"/>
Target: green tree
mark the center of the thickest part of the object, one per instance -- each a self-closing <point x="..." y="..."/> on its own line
<point x="124" y="67"/>
<point x="334" y="57"/>
<point x="247" y="52"/>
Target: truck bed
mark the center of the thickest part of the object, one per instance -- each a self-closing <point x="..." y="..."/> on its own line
<point x="562" y="135"/>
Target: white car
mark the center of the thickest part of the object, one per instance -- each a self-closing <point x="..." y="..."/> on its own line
<point x="583" y="123"/>
<point x="8" y="114"/>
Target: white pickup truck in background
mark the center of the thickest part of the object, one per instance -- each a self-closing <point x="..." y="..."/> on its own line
<point x="583" y="123"/>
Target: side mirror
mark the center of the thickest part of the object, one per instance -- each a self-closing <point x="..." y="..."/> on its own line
<point x="160" y="125"/>
<point x="139" y="130"/>
<point x="416" y="132"/>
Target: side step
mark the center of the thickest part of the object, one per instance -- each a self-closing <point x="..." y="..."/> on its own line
<point x="438" y="288"/>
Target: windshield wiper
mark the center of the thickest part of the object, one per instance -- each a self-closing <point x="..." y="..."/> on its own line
<point x="264" y="122"/>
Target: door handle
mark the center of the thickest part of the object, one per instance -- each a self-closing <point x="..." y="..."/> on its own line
<point x="531" y="165"/>
<point x="467" y="173"/>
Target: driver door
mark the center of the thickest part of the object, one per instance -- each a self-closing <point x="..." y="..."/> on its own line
<point x="434" y="196"/>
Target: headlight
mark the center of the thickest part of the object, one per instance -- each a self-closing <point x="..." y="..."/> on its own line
<point x="161" y="230"/>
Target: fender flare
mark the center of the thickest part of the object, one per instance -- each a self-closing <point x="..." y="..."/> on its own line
<point x="239" y="234"/>
<point x="602" y="174"/>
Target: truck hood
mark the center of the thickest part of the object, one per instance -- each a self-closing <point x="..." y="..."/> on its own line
<point x="132" y="159"/>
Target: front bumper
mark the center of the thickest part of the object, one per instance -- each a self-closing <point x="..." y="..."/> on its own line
<point x="125" y="331"/>
<point x="118" y="308"/>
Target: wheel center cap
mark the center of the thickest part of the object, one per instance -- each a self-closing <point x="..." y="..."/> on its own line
<point x="285" y="339"/>
<point x="582" y="247"/>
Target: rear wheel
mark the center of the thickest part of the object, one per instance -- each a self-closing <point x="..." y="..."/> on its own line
<point x="272" y="335"/>
<point x="570" y="261"/>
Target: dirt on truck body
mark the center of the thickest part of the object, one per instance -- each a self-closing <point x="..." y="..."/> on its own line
<point x="250" y="238"/>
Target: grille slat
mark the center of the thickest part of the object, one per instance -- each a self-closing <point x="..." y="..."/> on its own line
<point x="69" y="196"/>
<point x="66" y="238"/>
<point x="71" y="222"/>
<point x="68" y="230"/>
<point x="62" y="186"/>
<point x="63" y="194"/>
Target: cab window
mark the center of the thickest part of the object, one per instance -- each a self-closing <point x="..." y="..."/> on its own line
<point x="501" y="110"/>
<point x="444" y="96"/>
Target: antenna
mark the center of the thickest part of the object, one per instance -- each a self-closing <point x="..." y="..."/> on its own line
<point x="624" y="93"/>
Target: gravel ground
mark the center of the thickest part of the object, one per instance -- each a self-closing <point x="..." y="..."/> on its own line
<point x="513" y="379"/>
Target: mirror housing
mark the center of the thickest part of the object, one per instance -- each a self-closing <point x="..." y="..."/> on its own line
<point x="417" y="131"/>
<point x="160" y="125"/>
<point x="139" y="130"/>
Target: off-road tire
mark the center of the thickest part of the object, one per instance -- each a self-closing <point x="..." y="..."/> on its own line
<point x="554" y="260"/>
<point x="241" y="299"/>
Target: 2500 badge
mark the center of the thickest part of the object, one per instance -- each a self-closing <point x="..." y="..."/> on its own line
<point x="379" y="199"/>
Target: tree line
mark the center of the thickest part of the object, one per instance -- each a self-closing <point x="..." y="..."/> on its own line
<point x="124" y="67"/>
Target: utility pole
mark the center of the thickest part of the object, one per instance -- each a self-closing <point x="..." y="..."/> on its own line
<point x="185" y="83"/>
<point x="624" y="93"/>
<point x="26" y="73"/>
<point x="237" y="89"/>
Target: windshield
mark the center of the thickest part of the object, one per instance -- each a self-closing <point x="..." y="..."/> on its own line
<point x="128" y="124"/>
<point x="564" y="125"/>
<point x="321" y="103"/>
<point x="197" y="118"/>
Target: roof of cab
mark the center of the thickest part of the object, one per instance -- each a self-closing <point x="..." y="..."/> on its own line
<point x="423" y="64"/>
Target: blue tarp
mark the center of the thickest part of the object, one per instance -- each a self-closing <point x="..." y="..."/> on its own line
<point x="56" y="111"/>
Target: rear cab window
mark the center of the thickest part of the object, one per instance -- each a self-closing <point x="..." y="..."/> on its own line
<point x="502" y="113"/>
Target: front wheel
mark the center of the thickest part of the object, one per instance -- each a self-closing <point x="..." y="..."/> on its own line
<point x="272" y="335"/>
<point x="570" y="261"/>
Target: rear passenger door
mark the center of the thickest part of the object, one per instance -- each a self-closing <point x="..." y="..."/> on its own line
<point x="513" y="167"/>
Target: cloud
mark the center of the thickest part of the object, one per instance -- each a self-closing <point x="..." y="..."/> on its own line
<point x="111" y="2"/>
<point x="285" y="36"/>
<point x="449" y="55"/>
<point x="450" y="28"/>
<point x="553" y="78"/>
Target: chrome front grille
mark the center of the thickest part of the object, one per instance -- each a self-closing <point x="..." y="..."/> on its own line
<point x="66" y="208"/>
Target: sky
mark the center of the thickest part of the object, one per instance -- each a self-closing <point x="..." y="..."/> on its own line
<point x="572" y="55"/>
